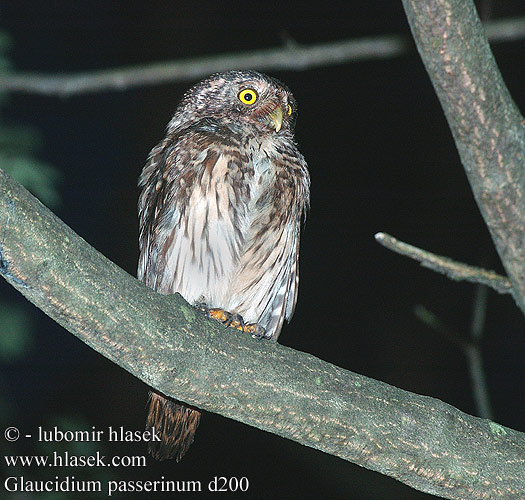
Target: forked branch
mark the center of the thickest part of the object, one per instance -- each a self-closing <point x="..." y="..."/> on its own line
<point x="484" y="120"/>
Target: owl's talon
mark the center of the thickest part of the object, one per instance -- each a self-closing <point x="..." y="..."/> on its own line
<point x="202" y="307"/>
<point x="234" y="320"/>
<point x="226" y="318"/>
<point x="221" y="315"/>
<point x="256" y="331"/>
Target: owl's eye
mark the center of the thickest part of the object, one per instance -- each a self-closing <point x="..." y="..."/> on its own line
<point x="247" y="96"/>
<point x="289" y="110"/>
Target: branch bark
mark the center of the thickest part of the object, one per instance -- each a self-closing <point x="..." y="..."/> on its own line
<point x="292" y="57"/>
<point x="486" y="124"/>
<point x="163" y="341"/>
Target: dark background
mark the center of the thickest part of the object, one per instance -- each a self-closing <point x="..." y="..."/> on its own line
<point x="381" y="158"/>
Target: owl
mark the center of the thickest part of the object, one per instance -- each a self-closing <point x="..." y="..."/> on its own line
<point x="222" y="197"/>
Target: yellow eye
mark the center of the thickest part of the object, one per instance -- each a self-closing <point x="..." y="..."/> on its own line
<point x="289" y="110"/>
<point x="247" y="96"/>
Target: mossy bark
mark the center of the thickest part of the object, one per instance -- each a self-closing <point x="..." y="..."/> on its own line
<point x="169" y="345"/>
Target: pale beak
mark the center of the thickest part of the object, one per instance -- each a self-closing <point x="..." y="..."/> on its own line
<point x="276" y="118"/>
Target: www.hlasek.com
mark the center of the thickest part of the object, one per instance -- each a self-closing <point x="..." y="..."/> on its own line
<point x="67" y="459"/>
<point x="68" y="483"/>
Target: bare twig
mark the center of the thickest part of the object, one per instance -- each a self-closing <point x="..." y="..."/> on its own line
<point x="475" y="356"/>
<point x="471" y="347"/>
<point x="427" y="317"/>
<point x="444" y="265"/>
<point x="291" y="57"/>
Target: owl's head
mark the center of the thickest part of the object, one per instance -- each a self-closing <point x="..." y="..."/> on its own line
<point x="238" y="96"/>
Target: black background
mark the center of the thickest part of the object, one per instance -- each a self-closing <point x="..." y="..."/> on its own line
<point x="381" y="158"/>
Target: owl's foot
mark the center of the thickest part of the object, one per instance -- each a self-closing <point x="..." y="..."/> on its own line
<point x="233" y="321"/>
<point x="256" y="331"/>
<point x="226" y="318"/>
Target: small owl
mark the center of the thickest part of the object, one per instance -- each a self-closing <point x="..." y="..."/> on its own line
<point x="220" y="212"/>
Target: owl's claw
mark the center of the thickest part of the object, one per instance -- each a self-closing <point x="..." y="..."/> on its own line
<point x="233" y="321"/>
<point x="257" y="331"/>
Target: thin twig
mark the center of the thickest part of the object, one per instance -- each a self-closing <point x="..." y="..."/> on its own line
<point x="435" y="323"/>
<point x="475" y="357"/>
<point x="471" y="347"/>
<point x="290" y="57"/>
<point x="457" y="271"/>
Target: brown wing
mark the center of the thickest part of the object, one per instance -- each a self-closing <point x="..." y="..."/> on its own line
<point x="193" y="214"/>
<point x="187" y="212"/>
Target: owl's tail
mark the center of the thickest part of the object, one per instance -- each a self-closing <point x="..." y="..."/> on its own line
<point x="176" y="424"/>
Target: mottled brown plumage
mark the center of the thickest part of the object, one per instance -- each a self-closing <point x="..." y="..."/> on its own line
<point x="220" y="211"/>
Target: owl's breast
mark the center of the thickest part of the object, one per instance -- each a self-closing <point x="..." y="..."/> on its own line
<point x="262" y="168"/>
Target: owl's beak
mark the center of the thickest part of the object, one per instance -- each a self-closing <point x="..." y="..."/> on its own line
<point x="276" y="118"/>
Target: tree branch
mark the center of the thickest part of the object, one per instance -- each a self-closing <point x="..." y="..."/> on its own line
<point x="471" y="347"/>
<point x="444" y="265"/>
<point x="475" y="355"/>
<point x="172" y="347"/>
<point x="486" y="124"/>
<point x="292" y="57"/>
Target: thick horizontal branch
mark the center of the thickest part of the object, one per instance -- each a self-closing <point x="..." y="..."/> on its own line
<point x="485" y="122"/>
<point x="291" y="57"/>
<point x="169" y="345"/>
<point x="444" y="265"/>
